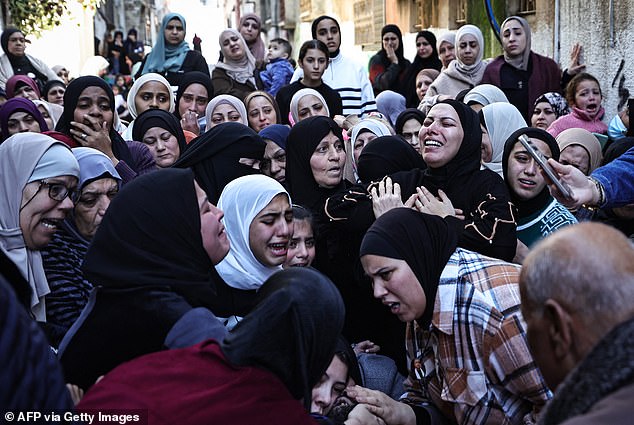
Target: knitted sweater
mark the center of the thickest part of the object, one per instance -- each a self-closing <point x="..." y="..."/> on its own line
<point x="579" y="119"/>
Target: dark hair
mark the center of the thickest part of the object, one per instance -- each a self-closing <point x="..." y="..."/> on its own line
<point x="116" y="33"/>
<point x="288" y="49"/>
<point x="312" y="44"/>
<point x="313" y="27"/>
<point x="571" y="88"/>
<point x="303" y="213"/>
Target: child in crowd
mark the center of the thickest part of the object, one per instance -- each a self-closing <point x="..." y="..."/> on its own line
<point x="583" y="94"/>
<point x="279" y="71"/>
<point x="301" y="249"/>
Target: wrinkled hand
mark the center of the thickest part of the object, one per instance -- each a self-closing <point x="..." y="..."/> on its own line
<point x="583" y="191"/>
<point x="189" y="122"/>
<point x="391" y="54"/>
<point x="387" y="197"/>
<point x="360" y="415"/>
<point x="96" y="135"/>
<point x="576" y="66"/>
<point x="391" y="411"/>
<point x="366" y="347"/>
<point x="429" y="204"/>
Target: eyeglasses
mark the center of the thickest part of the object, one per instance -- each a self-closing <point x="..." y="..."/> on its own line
<point x="58" y="191"/>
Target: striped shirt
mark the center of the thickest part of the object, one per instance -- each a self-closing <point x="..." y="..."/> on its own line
<point x="477" y="368"/>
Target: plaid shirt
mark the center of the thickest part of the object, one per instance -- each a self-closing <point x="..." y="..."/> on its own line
<point x="475" y="354"/>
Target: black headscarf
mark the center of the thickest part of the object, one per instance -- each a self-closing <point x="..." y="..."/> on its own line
<point x="151" y="237"/>
<point x="300" y="146"/>
<point x="387" y="155"/>
<point x="313" y="30"/>
<point x="71" y="98"/>
<point x="399" y="50"/>
<point x="346" y="354"/>
<point x="406" y="115"/>
<point x="4" y="39"/>
<point x="214" y="156"/>
<point x="527" y="207"/>
<point x="425" y="242"/>
<point x="159" y="118"/>
<point x="418" y="64"/>
<point x="292" y="332"/>
<point x="187" y="80"/>
<point x="49" y="85"/>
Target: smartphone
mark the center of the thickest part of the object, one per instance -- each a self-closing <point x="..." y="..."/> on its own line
<point x="543" y="162"/>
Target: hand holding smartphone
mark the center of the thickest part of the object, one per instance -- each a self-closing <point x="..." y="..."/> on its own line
<point x="541" y="160"/>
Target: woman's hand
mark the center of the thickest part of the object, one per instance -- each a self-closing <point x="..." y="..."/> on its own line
<point x="520" y="252"/>
<point x="387" y="197"/>
<point x="576" y="66"/>
<point x="365" y="347"/>
<point x="360" y="415"/>
<point x="391" y="54"/>
<point x="96" y="136"/>
<point x="391" y="411"/>
<point x="429" y="204"/>
<point x="189" y="122"/>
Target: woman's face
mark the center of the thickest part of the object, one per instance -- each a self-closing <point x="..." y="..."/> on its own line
<point x="195" y="99"/>
<point x="16" y="44"/>
<point x="328" y="33"/>
<point x="22" y="122"/>
<point x="152" y="95"/>
<point x="396" y="285"/>
<point x="93" y="202"/>
<point x="410" y="132"/>
<point x="441" y="135"/>
<point x="301" y="249"/>
<point x="232" y="47"/>
<point x="163" y="145"/>
<point x="327" y="161"/>
<point x="215" y="240"/>
<point x="577" y="156"/>
<point x="93" y="101"/>
<point x="468" y="49"/>
<point x="26" y="92"/>
<point x="314" y="64"/>
<point x="261" y="113"/>
<point x="224" y="112"/>
<point x="523" y="175"/>
<point x="446" y="53"/>
<point x="273" y="163"/>
<point x="56" y="95"/>
<point x="47" y="118"/>
<point x="423" y="48"/>
<point x="310" y="106"/>
<point x="543" y="115"/>
<point x="487" y="147"/>
<point x="513" y="38"/>
<point x="250" y="30"/>
<point x="422" y="85"/>
<point x="174" y="32"/>
<point x="270" y="231"/>
<point x="362" y="139"/>
<point x="331" y="385"/>
<point x="41" y="215"/>
<point x="390" y="41"/>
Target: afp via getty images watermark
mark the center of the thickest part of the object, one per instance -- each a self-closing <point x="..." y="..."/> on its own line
<point x="89" y="417"/>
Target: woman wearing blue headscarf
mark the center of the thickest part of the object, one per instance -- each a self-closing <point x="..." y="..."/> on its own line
<point x="171" y="55"/>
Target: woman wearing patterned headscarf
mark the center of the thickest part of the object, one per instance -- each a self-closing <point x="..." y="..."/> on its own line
<point x="548" y="107"/>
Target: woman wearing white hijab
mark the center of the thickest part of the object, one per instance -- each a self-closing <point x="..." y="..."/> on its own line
<point x="225" y="108"/>
<point x="363" y="132"/>
<point x="464" y="72"/>
<point x="235" y="74"/>
<point x="307" y="103"/>
<point x="149" y="91"/>
<point x="498" y="121"/>
<point x="258" y="220"/>
<point x="38" y="175"/>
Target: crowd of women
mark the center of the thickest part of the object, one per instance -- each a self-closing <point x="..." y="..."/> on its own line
<point x="224" y="255"/>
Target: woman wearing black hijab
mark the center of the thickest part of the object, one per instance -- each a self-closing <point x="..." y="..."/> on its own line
<point x="464" y="324"/>
<point x="389" y="67"/>
<point x="258" y="374"/>
<point x="194" y="93"/>
<point x="15" y="61"/>
<point x="89" y="102"/>
<point x="426" y="58"/>
<point x="387" y="155"/>
<point x="216" y="156"/>
<point x="451" y="147"/>
<point x="161" y="133"/>
<point x="151" y="262"/>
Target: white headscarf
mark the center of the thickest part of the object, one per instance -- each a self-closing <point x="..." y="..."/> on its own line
<point x="241" y="70"/>
<point x="474" y="31"/>
<point x="139" y="82"/>
<point x="501" y="120"/>
<point x="485" y="94"/>
<point x="299" y="95"/>
<point x="241" y="200"/>
<point x="19" y="156"/>
<point x="230" y="100"/>
<point x="375" y="127"/>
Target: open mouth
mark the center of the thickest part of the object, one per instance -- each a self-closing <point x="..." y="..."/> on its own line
<point x="51" y="223"/>
<point x="393" y="306"/>
<point x="433" y="143"/>
<point x="528" y="183"/>
<point x="279" y="249"/>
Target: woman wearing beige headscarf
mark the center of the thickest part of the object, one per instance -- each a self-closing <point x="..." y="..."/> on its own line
<point x="579" y="148"/>
<point x="235" y="74"/>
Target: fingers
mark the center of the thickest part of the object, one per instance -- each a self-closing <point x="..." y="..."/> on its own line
<point x="411" y="201"/>
<point x="443" y="197"/>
